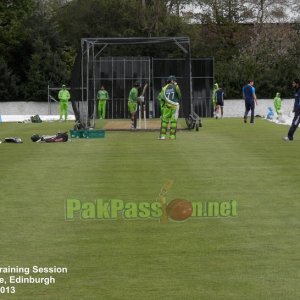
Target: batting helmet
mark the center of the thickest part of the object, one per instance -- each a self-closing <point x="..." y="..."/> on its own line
<point x="171" y="78"/>
<point x="35" y="138"/>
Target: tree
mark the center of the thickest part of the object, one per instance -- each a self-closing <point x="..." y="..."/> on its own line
<point x="272" y="63"/>
<point x="244" y="45"/>
<point x="46" y="66"/>
<point x="49" y="59"/>
<point x="13" y="34"/>
<point x="268" y="10"/>
<point x="116" y="18"/>
<point x="98" y="18"/>
<point x="8" y="82"/>
<point x="161" y="17"/>
<point x="40" y="38"/>
<point x="177" y="6"/>
<point x="222" y="11"/>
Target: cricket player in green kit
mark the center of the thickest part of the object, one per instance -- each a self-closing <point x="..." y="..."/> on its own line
<point x="277" y="104"/>
<point x="161" y="101"/>
<point x="214" y="98"/>
<point x="102" y="96"/>
<point x="132" y="103"/>
<point x="172" y="95"/>
<point x="64" y="97"/>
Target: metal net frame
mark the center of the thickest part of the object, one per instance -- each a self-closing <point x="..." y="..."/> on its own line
<point x="87" y="65"/>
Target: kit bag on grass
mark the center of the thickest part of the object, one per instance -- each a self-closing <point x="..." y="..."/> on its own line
<point x="16" y="140"/>
<point x="59" y="137"/>
<point x="36" y="119"/>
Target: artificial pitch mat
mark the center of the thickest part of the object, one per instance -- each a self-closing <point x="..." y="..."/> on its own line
<point x="252" y="253"/>
<point x="151" y="124"/>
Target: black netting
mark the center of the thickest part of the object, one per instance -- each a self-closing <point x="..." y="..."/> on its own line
<point x="118" y="74"/>
<point x="162" y="69"/>
<point x="203" y="80"/>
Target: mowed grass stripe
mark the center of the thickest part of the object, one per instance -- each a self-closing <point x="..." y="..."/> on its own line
<point x="249" y="257"/>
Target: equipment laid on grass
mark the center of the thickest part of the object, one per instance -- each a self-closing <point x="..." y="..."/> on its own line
<point x="78" y="125"/>
<point x="87" y="133"/>
<point x="193" y="121"/>
<point x="36" y="119"/>
<point x="15" y="140"/>
<point x="59" y="137"/>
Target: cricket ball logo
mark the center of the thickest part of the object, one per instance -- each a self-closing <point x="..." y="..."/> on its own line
<point x="177" y="209"/>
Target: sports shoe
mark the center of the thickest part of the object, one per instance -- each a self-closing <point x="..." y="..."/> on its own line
<point x="245" y="120"/>
<point x="162" y="138"/>
<point x="286" y="138"/>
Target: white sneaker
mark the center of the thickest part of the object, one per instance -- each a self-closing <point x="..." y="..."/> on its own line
<point x="286" y="138"/>
<point x="162" y="138"/>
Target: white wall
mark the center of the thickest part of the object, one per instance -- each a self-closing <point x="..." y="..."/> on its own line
<point x="31" y="108"/>
<point x="232" y="108"/>
<point x="236" y="108"/>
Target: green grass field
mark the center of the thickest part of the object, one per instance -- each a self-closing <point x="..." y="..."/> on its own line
<point x="252" y="256"/>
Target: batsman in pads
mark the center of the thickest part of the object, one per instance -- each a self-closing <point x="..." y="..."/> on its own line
<point x="171" y="95"/>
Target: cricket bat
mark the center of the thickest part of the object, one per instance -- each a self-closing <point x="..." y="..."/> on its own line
<point x="144" y="90"/>
<point x="141" y="100"/>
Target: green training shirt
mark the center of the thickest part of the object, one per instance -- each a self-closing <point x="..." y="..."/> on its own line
<point x="102" y="95"/>
<point x="133" y="95"/>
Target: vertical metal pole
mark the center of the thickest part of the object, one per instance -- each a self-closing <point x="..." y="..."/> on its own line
<point x="112" y="84"/>
<point x="140" y="80"/>
<point x="124" y="86"/>
<point x="94" y="86"/>
<point x="149" y="94"/>
<point x="211" y="107"/>
<point x="49" y="103"/>
<point x="153" y="100"/>
<point x="87" y="84"/>
<point x="100" y="80"/>
<point x="191" y="80"/>
<point x="82" y="84"/>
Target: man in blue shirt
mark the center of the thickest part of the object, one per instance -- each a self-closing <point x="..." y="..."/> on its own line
<point x="250" y="100"/>
<point x="296" y="110"/>
<point x="219" y="102"/>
